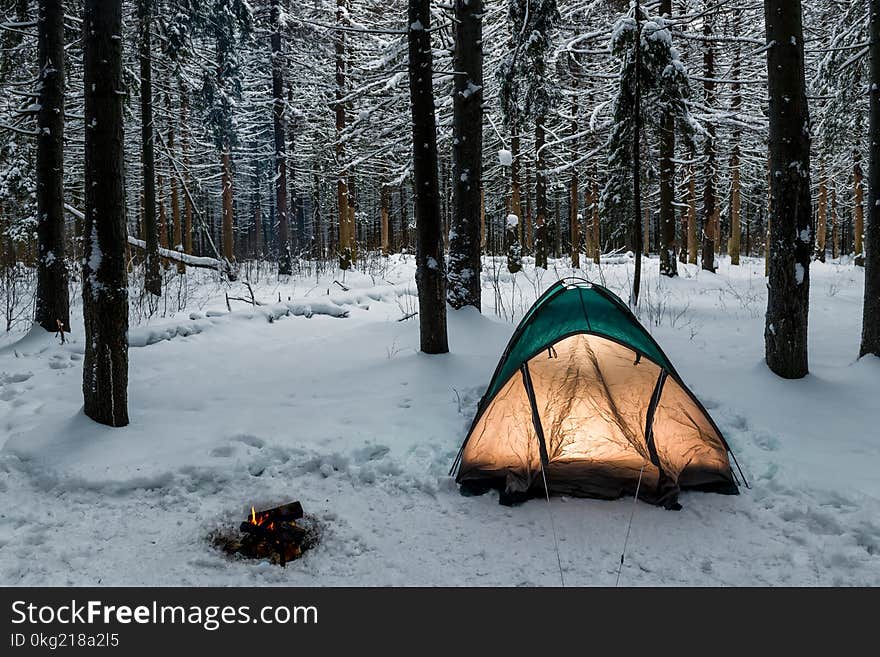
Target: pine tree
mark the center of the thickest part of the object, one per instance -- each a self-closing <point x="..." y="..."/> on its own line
<point x="52" y="305"/>
<point x="430" y="261"/>
<point x="785" y="334"/>
<point x="464" y="287"/>
<point x="526" y="93"/>
<point x="871" y="312"/>
<point x="149" y="226"/>
<point x="105" y="284"/>
<point x="653" y="86"/>
<point x="278" y="125"/>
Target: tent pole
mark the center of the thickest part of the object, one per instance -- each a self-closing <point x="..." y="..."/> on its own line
<point x="545" y="458"/>
<point x="629" y="526"/>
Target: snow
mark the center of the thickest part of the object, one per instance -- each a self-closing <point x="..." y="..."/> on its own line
<point x="512" y="221"/>
<point x="505" y="158"/>
<point x="260" y="406"/>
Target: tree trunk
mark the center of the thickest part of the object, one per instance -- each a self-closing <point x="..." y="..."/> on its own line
<point x="692" y="214"/>
<point x="187" y="201"/>
<point x="515" y="193"/>
<point x="527" y="226"/>
<point x="345" y="238"/>
<point x="574" y="218"/>
<point x="278" y="126"/>
<point x="594" y="229"/>
<point x="540" y="196"/>
<point x="871" y="311"/>
<point x="464" y="287"/>
<point x="858" y="209"/>
<point x="228" y="223"/>
<point x="430" y="262"/>
<point x="105" y="288"/>
<point x="668" y="262"/>
<point x="785" y="336"/>
<point x="152" y="275"/>
<point x="822" y="214"/>
<point x="52" y="303"/>
<point x="482" y="218"/>
<point x="835" y="225"/>
<point x="385" y="228"/>
<point x="636" y="164"/>
<point x="709" y="201"/>
<point x="733" y="247"/>
<point x="176" y="228"/>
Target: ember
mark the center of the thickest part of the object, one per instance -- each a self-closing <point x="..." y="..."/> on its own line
<point x="272" y="534"/>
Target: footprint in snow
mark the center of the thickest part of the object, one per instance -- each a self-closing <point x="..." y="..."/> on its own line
<point x="765" y="441"/>
<point x="6" y="379"/>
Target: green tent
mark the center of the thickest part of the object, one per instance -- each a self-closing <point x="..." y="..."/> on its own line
<point x="585" y="403"/>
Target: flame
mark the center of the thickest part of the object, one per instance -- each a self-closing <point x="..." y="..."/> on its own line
<point x="260" y="520"/>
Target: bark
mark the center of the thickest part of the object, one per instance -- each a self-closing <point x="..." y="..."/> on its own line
<point x="668" y="262"/>
<point x="636" y="165"/>
<point x="163" y="219"/>
<point x="574" y="217"/>
<point x="822" y="215"/>
<point x="482" y="218"/>
<point x="345" y="239"/>
<point x="527" y="226"/>
<point x="187" y="202"/>
<point x="835" y="225"/>
<point x="540" y="196"/>
<point x="430" y="262"/>
<point x="710" y="209"/>
<point x="385" y="228"/>
<point x="52" y="302"/>
<point x="785" y="335"/>
<point x="858" y="209"/>
<point x="692" y="215"/>
<point x="105" y="285"/>
<point x="871" y="310"/>
<point x="228" y="223"/>
<point x="597" y="248"/>
<point x="152" y="275"/>
<point x="464" y="287"/>
<point x="515" y="190"/>
<point x="733" y="246"/>
<point x="278" y="127"/>
<point x="177" y="229"/>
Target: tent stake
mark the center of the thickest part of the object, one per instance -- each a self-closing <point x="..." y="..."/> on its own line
<point x="629" y="526"/>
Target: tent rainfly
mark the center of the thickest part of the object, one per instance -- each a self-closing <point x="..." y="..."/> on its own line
<point x="585" y="403"/>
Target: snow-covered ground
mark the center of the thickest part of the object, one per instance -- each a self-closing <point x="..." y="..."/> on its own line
<point x="343" y="413"/>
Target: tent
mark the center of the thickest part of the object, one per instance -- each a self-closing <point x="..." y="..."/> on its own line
<point x="585" y="403"/>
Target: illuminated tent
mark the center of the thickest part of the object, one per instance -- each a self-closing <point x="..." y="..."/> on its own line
<point x="585" y="403"/>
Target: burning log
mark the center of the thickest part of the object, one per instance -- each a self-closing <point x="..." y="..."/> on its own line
<point x="272" y="533"/>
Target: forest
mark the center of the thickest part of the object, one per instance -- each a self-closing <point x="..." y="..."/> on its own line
<point x="381" y="183"/>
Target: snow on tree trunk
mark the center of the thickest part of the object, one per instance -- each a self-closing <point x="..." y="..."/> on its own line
<point x="785" y="334"/>
<point x="52" y="306"/>
<point x="430" y="261"/>
<point x="464" y="287"/>
<point x="105" y="285"/>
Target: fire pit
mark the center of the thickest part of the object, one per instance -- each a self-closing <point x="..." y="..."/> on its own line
<point x="280" y="534"/>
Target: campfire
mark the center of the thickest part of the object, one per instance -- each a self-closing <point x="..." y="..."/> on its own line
<point x="272" y="534"/>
